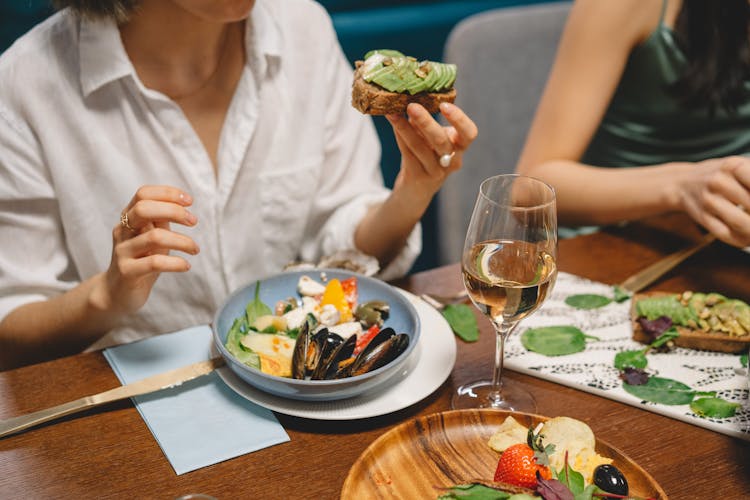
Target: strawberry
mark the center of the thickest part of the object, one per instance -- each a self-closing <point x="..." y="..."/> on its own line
<point x="518" y="466"/>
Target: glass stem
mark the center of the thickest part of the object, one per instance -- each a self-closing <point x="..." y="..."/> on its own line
<point x="502" y="331"/>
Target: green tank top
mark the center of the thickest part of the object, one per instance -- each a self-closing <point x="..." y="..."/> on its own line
<point x="645" y="125"/>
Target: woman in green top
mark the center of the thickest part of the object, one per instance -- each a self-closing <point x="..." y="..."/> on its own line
<point x="661" y="85"/>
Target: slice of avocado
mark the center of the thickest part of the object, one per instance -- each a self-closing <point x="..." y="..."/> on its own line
<point x="398" y="73"/>
<point x="666" y="305"/>
<point x="385" y="52"/>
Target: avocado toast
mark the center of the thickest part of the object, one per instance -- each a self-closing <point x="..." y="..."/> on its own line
<point x="707" y="321"/>
<point x="387" y="81"/>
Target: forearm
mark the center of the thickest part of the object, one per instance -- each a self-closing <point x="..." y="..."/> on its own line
<point x="600" y="196"/>
<point x="63" y="325"/>
<point x="385" y="228"/>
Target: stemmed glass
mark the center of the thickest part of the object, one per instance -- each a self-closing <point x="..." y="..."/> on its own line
<point x="509" y="269"/>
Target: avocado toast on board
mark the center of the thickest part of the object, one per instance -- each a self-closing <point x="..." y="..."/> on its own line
<point x="707" y="321"/>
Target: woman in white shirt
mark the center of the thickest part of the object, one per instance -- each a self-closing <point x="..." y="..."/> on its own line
<point x="216" y="137"/>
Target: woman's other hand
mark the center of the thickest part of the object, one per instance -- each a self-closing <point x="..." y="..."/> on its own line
<point x="142" y="242"/>
<point x="718" y="198"/>
<point x="422" y="142"/>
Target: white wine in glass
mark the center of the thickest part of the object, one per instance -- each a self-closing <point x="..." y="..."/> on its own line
<point x="509" y="269"/>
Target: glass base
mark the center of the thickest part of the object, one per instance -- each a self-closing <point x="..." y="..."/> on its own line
<point x="513" y="397"/>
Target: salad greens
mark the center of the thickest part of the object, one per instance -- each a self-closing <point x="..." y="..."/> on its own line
<point x="462" y="321"/>
<point x="555" y="340"/>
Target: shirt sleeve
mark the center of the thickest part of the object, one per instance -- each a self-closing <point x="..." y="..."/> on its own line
<point x="353" y="181"/>
<point x="34" y="263"/>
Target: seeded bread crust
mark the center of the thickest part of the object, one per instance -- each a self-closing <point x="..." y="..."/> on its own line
<point x="372" y="99"/>
<point x="691" y="338"/>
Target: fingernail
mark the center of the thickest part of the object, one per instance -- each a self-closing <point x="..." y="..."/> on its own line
<point x="186" y="198"/>
<point x="196" y="250"/>
<point x="190" y="218"/>
<point x="446" y="108"/>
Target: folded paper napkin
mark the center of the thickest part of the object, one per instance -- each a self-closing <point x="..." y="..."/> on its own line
<point x="200" y="422"/>
<point x="593" y="369"/>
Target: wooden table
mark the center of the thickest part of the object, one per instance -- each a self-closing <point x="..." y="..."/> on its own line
<point x="109" y="452"/>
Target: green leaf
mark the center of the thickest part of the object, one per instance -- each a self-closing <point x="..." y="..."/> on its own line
<point x="572" y="479"/>
<point x="587" y="493"/>
<point x="662" y="390"/>
<point x="256" y="308"/>
<point x="620" y="294"/>
<point x="474" y="492"/>
<point x="634" y="359"/>
<point x="555" y="340"/>
<point x="462" y="321"/>
<point x="665" y="337"/>
<point x="587" y="301"/>
<point x="743" y="360"/>
<point x="714" y="407"/>
<point x="234" y="344"/>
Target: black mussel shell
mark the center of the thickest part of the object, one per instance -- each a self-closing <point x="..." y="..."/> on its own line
<point x="299" y="355"/>
<point x="380" y="355"/>
<point x="328" y="342"/>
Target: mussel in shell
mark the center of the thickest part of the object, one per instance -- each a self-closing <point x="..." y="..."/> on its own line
<point x="380" y="355"/>
<point x="326" y="355"/>
<point x="308" y="351"/>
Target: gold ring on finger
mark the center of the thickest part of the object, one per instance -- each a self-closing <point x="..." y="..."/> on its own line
<point x="125" y="223"/>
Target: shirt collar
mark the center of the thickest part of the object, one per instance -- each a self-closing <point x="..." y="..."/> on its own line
<point x="104" y="60"/>
<point x="263" y="42"/>
<point x="102" y="55"/>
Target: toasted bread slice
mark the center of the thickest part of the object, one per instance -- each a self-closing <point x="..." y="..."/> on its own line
<point x="691" y="338"/>
<point x="371" y="99"/>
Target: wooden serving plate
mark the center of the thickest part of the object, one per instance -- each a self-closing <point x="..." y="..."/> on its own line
<point x="689" y="338"/>
<point x="424" y="456"/>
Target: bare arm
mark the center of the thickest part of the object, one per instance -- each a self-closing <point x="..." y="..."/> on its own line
<point x="421" y="140"/>
<point x="69" y="322"/>
<point x="591" y="58"/>
<point x="593" y="51"/>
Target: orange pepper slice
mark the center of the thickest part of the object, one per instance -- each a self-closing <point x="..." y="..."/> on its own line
<point x="334" y="295"/>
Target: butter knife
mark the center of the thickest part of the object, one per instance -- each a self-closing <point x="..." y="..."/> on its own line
<point x="645" y="277"/>
<point x="147" y="385"/>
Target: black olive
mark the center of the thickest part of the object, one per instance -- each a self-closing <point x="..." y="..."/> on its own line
<point x="610" y="479"/>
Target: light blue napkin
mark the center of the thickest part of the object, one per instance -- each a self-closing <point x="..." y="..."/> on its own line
<point x="203" y="421"/>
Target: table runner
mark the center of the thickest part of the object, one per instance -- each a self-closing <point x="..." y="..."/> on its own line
<point x="593" y="370"/>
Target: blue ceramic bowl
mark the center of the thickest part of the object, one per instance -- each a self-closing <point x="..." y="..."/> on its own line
<point x="403" y="318"/>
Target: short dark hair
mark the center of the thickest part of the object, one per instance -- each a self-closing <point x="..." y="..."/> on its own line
<point x="119" y="10"/>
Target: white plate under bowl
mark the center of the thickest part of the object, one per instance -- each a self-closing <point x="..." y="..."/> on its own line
<point x="428" y="366"/>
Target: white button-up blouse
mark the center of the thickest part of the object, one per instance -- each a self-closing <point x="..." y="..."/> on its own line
<point x="79" y="133"/>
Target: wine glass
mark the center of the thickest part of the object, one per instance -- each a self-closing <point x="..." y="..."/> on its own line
<point x="509" y="269"/>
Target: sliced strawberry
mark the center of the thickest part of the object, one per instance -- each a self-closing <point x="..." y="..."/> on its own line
<point x="518" y="466"/>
